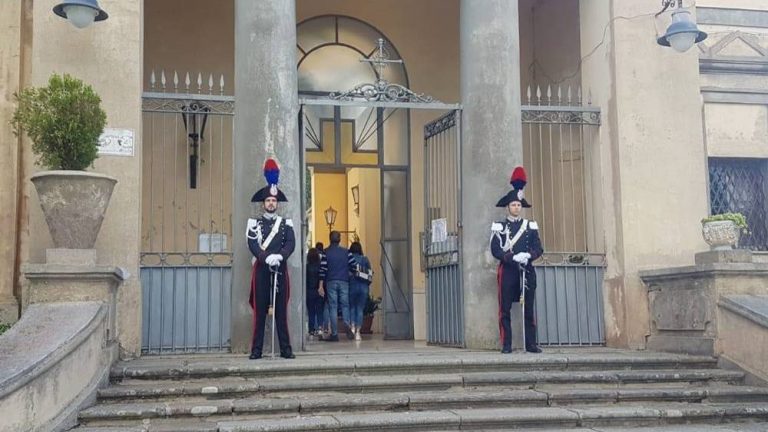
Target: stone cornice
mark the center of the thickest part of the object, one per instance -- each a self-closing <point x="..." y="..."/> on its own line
<point x="733" y="65"/>
<point x="653" y="277"/>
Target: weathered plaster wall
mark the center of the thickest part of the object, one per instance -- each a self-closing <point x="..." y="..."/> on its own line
<point x="650" y="160"/>
<point x="734" y="63"/>
<point x="11" y="35"/>
<point x="108" y="57"/>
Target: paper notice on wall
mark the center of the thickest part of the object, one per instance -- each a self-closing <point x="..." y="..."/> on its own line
<point x="116" y="142"/>
<point x="439" y="230"/>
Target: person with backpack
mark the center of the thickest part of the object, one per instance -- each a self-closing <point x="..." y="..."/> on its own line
<point x="315" y="302"/>
<point x="325" y="320"/>
<point x="361" y="279"/>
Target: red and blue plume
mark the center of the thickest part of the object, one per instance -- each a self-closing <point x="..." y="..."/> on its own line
<point x="271" y="172"/>
<point x="519" y="179"/>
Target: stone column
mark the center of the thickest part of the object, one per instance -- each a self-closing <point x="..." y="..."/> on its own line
<point x="10" y="68"/>
<point x="492" y="146"/>
<point x="265" y="126"/>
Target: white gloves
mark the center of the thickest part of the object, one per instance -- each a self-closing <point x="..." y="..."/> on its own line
<point x="521" y="257"/>
<point x="273" y="260"/>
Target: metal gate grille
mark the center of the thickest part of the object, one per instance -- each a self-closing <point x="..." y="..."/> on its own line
<point x="442" y="239"/>
<point x="738" y="185"/>
<point x="186" y="255"/>
<point x="569" y="304"/>
<point x="559" y="134"/>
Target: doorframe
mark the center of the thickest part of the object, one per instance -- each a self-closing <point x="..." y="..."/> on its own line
<point x="318" y="100"/>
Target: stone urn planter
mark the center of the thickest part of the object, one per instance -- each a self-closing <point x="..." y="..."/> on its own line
<point x="74" y="204"/>
<point x="721" y="235"/>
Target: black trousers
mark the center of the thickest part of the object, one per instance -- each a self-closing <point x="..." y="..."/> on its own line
<point x="509" y="296"/>
<point x="260" y="300"/>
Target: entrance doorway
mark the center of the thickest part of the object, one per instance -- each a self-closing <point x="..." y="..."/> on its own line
<point x="355" y="139"/>
<point x="357" y="170"/>
<point x="356" y="160"/>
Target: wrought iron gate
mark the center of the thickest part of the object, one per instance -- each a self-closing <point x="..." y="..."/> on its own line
<point x="557" y="149"/>
<point x="186" y="257"/>
<point x="442" y="240"/>
<point x="559" y="135"/>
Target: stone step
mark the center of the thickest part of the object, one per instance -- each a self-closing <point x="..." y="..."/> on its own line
<point x="727" y="427"/>
<point x="342" y="402"/>
<point x="385" y="364"/>
<point x="164" y="389"/>
<point x="189" y="427"/>
<point x="505" y="418"/>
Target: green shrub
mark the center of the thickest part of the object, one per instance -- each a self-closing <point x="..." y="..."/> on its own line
<point x="736" y="218"/>
<point x="4" y="328"/>
<point x="64" y="121"/>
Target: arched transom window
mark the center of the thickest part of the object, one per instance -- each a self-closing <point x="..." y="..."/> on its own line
<point x="330" y="50"/>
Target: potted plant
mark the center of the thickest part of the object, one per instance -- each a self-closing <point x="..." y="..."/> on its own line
<point x="722" y="231"/>
<point x="64" y="121"/>
<point x="371" y="306"/>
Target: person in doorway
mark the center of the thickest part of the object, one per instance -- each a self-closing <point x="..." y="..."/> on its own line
<point x="361" y="279"/>
<point x="515" y="243"/>
<point x="271" y="240"/>
<point x="314" y="299"/>
<point x="340" y="266"/>
<point x="325" y="326"/>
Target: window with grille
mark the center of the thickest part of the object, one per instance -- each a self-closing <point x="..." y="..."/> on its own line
<point x="739" y="185"/>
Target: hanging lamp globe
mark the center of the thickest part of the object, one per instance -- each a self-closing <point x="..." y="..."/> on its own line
<point x="81" y="13"/>
<point x="683" y="33"/>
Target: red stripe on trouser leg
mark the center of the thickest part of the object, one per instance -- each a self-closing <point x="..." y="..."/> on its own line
<point x="254" y="270"/>
<point x="499" y="279"/>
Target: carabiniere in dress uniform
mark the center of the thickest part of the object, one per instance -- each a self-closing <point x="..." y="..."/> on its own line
<point x="515" y="243"/>
<point x="271" y="240"/>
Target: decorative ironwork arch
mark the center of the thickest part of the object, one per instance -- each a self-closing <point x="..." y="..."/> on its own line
<point x="374" y="35"/>
<point x="325" y="31"/>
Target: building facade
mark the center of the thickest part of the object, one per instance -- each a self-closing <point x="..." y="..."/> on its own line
<point x="628" y="145"/>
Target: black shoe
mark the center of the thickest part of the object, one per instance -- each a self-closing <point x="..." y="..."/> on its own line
<point x="287" y="355"/>
<point x="254" y="356"/>
<point x="506" y="350"/>
<point x="350" y="335"/>
<point x="331" y="338"/>
<point x="533" y="349"/>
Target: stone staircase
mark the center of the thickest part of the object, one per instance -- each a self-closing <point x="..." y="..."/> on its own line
<point x="435" y="390"/>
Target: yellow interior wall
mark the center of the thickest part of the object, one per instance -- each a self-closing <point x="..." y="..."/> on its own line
<point x="368" y="221"/>
<point x="329" y="192"/>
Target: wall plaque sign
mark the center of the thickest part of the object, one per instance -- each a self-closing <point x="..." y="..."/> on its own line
<point x="116" y="142"/>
